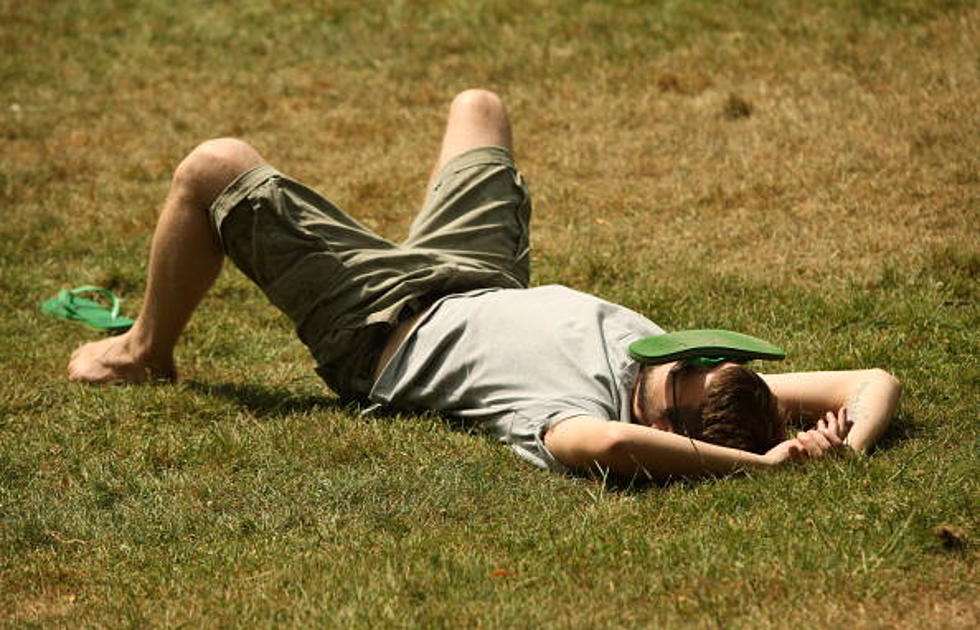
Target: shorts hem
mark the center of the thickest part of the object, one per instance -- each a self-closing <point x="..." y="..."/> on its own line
<point x="478" y="156"/>
<point x="235" y="193"/>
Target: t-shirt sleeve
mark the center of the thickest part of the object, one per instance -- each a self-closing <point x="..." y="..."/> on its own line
<point x="523" y="430"/>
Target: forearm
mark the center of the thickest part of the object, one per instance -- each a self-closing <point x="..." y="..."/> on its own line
<point x="871" y="406"/>
<point x="630" y="449"/>
<point x="665" y="454"/>
<point x="870" y="398"/>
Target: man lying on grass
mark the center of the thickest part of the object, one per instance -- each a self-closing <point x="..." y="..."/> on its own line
<point x="445" y="321"/>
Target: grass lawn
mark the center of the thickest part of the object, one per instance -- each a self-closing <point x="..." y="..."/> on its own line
<point x="808" y="172"/>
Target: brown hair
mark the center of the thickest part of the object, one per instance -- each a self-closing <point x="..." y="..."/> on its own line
<point x="741" y="412"/>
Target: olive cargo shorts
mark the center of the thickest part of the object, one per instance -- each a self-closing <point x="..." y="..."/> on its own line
<point x="345" y="287"/>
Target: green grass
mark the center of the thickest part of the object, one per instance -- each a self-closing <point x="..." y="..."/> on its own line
<point x="806" y="172"/>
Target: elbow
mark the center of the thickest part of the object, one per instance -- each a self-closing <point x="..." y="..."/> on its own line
<point x="589" y="444"/>
<point x="889" y="381"/>
<point x="609" y="442"/>
<point x="585" y="443"/>
<point x="615" y="450"/>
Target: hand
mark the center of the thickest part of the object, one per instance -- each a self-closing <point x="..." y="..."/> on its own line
<point x="789" y="451"/>
<point x="836" y="428"/>
<point x="828" y="437"/>
<point x="805" y="446"/>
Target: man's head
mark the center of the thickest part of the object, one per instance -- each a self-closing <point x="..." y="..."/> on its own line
<point x="728" y="405"/>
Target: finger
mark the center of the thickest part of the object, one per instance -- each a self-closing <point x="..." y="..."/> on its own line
<point x="821" y="441"/>
<point x="801" y="444"/>
<point x="808" y="441"/>
<point x="834" y="440"/>
<point x="833" y="424"/>
<point x="826" y="443"/>
<point x="831" y="432"/>
<point x="797" y="453"/>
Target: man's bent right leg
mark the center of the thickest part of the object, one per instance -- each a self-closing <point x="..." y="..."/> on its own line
<point x="477" y="118"/>
<point x="478" y="209"/>
<point x="185" y="259"/>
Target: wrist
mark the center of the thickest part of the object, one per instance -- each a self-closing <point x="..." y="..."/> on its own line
<point x="766" y="461"/>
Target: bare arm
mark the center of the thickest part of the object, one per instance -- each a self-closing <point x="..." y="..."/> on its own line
<point x="628" y="449"/>
<point x="869" y="397"/>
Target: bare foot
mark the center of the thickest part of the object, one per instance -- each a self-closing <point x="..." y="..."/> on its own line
<point x="114" y="360"/>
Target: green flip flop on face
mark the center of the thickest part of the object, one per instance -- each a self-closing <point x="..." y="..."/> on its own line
<point x="704" y="347"/>
<point x="69" y="305"/>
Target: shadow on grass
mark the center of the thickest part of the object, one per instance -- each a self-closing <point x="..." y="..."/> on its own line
<point x="641" y="484"/>
<point x="903" y="428"/>
<point x="621" y="484"/>
<point x="268" y="402"/>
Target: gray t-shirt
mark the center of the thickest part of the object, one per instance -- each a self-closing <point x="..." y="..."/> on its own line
<point x="518" y="361"/>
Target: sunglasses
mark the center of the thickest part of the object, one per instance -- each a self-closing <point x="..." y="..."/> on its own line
<point x="673" y="411"/>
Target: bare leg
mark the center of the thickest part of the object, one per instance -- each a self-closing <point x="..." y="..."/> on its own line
<point x="477" y="118"/>
<point x="185" y="259"/>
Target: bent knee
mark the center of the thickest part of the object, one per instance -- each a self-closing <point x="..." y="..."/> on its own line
<point x="213" y="165"/>
<point x="220" y="154"/>
<point x="479" y="101"/>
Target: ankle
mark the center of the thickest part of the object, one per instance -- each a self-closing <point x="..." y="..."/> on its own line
<point x="140" y="346"/>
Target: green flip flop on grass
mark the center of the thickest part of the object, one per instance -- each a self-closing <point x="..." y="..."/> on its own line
<point x="69" y="305"/>
<point x="705" y="347"/>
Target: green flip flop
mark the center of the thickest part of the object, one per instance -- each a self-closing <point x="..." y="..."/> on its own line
<point x="68" y="305"/>
<point x="704" y="347"/>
